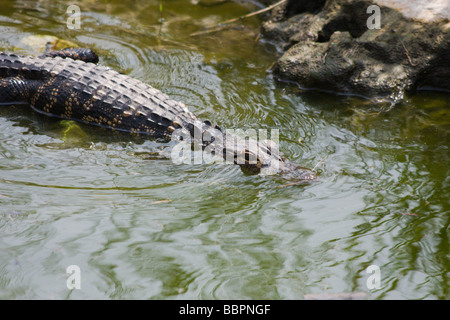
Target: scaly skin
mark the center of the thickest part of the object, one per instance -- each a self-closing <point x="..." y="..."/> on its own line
<point x="69" y="84"/>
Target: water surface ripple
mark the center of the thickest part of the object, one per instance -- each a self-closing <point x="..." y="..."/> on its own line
<point x="141" y="227"/>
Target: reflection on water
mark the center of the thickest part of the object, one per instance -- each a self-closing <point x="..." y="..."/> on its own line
<point x="141" y="227"/>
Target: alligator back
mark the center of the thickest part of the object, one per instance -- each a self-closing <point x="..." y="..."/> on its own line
<point x="90" y="93"/>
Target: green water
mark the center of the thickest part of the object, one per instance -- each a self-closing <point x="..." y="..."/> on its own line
<point x="141" y="227"/>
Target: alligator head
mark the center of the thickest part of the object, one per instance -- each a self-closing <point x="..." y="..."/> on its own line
<point x="253" y="156"/>
<point x="262" y="157"/>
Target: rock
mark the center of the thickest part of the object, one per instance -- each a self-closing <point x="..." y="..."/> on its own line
<point x="430" y="10"/>
<point x="38" y="43"/>
<point x="328" y="45"/>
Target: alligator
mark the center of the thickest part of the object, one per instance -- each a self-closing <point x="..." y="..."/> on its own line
<point x="70" y="84"/>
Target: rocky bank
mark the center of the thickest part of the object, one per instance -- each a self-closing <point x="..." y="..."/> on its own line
<point x="334" y="45"/>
